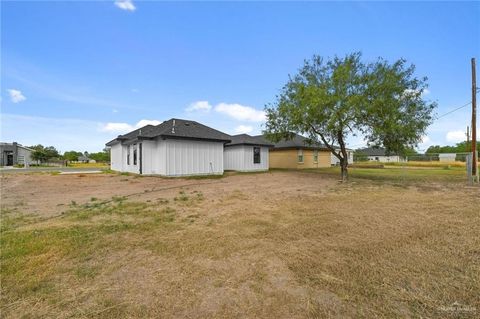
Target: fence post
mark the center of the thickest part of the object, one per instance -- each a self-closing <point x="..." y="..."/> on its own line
<point x="469" y="168"/>
<point x="476" y="166"/>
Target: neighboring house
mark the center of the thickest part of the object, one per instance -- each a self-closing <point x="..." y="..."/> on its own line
<point x="15" y="154"/>
<point x="297" y="153"/>
<point x="85" y="159"/>
<point x="335" y="161"/>
<point x="173" y="148"/>
<point x="379" y="154"/>
<point x="246" y="153"/>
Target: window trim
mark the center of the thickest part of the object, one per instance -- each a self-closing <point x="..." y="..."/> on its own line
<point x="255" y="155"/>
<point x="128" y="155"/>
<point x="135" y="157"/>
<point x="300" y="154"/>
<point x="315" y="156"/>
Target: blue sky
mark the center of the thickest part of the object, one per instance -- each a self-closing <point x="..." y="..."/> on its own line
<point x="76" y="74"/>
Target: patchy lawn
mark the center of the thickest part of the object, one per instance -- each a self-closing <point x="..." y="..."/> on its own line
<point x="283" y="244"/>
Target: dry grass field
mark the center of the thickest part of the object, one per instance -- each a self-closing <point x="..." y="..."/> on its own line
<point x="283" y="244"/>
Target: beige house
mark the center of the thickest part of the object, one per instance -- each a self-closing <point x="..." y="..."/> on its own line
<point x="298" y="154"/>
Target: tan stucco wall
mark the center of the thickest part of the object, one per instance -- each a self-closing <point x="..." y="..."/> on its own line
<point x="288" y="159"/>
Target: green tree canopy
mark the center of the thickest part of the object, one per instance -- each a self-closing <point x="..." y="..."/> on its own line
<point x="328" y="100"/>
<point x="461" y="147"/>
<point x="103" y="156"/>
<point x="72" y="155"/>
<point x="42" y="153"/>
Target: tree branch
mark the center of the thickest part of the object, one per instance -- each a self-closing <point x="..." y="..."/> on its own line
<point x="324" y="140"/>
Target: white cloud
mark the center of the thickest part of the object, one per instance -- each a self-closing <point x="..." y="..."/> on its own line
<point x="16" y="96"/>
<point x="424" y="144"/>
<point x="117" y="127"/>
<point x="243" y="129"/>
<point x="456" y="136"/>
<point x="234" y="110"/>
<point x="241" y="112"/>
<point x="425" y="140"/>
<point x="142" y="123"/>
<point x="120" y="128"/>
<point x="125" y="5"/>
<point x="415" y="92"/>
<point x="202" y="106"/>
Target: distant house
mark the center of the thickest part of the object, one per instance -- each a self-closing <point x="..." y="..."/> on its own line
<point x="247" y="153"/>
<point x="173" y="148"/>
<point x="14" y="154"/>
<point x="379" y="154"/>
<point x="85" y="159"/>
<point x="297" y="153"/>
<point x="335" y="161"/>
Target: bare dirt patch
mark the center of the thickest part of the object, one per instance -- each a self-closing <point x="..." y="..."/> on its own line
<point x="48" y="195"/>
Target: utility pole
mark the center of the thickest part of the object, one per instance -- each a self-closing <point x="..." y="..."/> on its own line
<point x="474" y="119"/>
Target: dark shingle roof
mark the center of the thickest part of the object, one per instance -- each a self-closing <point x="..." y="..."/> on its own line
<point x="374" y="151"/>
<point x="174" y="128"/>
<point x="245" y="139"/>
<point x="84" y="158"/>
<point x="298" y="141"/>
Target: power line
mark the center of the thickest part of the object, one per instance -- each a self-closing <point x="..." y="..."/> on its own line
<point x="454" y="110"/>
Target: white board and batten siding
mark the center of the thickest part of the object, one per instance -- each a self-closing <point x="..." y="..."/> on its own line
<point x="24" y="156"/>
<point x="170" y="157"/>
<point x="116" y="157"/>
<point x="240" y="158"/>
<point x="191" y="157"/>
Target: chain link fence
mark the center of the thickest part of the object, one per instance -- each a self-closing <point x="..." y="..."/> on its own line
<point x="439" y="166"/>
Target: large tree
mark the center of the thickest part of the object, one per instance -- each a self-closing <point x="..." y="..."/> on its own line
<point x="103" y="156"/>
<point x="462" y="147"/>
<point x="42" y="154"/>
<point x="72" y="155"/>
<point x="329" y="100"/>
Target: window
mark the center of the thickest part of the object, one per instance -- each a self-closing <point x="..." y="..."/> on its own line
<point x="128" y="155"/>
<point x="315" y="156"/>
<point x="300" y="156"/>
<point x="134" y="154"/>
<point x="256" y="155"/>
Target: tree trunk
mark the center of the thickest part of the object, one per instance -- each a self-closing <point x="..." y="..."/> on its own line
<point x="344" y="167"/>
<point x="344" y="157"/>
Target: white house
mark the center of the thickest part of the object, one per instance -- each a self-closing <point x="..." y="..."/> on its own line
<point x="173" y="148"/>
<point x="379" y="154"/>
<point x="335" y="161"/>
<point x="246" y="153"/>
